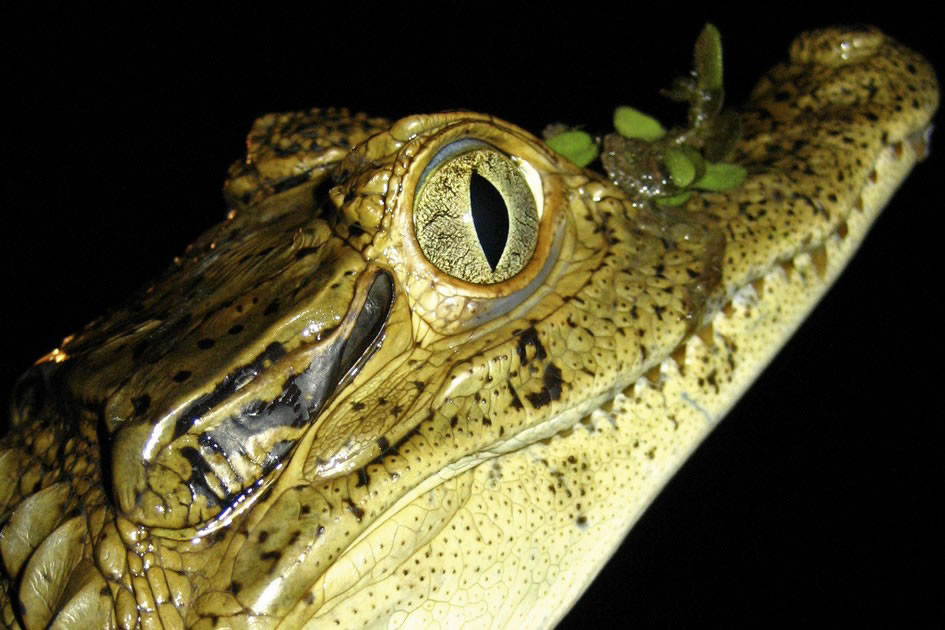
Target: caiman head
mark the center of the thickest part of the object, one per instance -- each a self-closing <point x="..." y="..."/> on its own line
<point x="425" y="369"/>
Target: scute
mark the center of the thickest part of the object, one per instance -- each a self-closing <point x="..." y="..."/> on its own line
<point x="46" y="578"/>
<point x="32" y="522"/>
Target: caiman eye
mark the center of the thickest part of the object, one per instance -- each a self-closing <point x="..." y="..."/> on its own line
<point x="475" y="213"/>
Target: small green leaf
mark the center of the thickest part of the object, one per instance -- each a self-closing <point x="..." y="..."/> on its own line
<point x="570" y="141"/>
<point x="680" y="167"/>
<point x="632" y="123"/>
<point x="675" y="200"/>
<point x="685" y="164"/>
<point x="577" y="146"/>
<point x="708" y="58"/>
<point x="721" y="176"/>
<point x="585" y="157"/>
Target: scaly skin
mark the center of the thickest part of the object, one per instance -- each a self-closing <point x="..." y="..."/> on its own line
<point x="482" y="463"/>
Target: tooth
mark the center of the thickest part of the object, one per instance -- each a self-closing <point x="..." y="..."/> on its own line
<point x="707" y="335"/>
<point x="679" y="356"/>
<point x="818" y="258"/>
<point x="653" y="375"/>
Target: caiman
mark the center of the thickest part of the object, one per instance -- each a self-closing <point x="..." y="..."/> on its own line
<point x="357" y="403"/>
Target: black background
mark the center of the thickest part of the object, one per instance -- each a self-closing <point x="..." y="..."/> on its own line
<point x="814" y="501"/>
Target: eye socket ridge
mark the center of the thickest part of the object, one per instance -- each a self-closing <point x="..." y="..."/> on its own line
<point x="475" y="214"/>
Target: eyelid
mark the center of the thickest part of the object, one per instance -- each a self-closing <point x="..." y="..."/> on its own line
<point x="449" y="151"/>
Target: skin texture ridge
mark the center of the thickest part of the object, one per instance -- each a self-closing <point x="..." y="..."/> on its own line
<point x="482" y="461"/>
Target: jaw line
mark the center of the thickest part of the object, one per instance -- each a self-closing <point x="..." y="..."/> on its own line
<point x="892" y="168"/>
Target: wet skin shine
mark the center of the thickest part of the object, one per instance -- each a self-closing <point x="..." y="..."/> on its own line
<point x="305" y="421"/>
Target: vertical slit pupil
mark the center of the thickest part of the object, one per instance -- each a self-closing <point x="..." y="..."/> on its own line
<point x="490" y="217"/>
